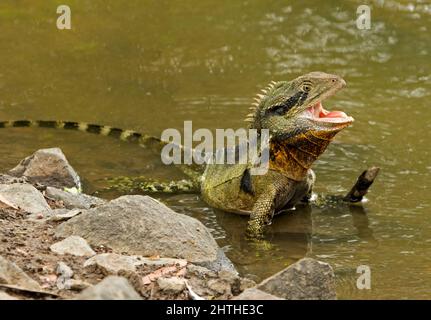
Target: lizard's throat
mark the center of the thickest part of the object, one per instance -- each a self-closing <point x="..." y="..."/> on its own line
<point x="295" y="156"/>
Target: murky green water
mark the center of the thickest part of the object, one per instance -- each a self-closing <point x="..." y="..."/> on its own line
<point x="150" y="65"/>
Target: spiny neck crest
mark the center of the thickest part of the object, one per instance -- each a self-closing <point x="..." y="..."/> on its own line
<point x="253" y="117"/>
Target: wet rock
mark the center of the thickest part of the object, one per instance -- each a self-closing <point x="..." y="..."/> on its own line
<point x="5" y="296"/>
<point x="111" y="263"/>
<point x="110" y="288"/>
<point x="172" y="285"/>
<point x="23" y="196"/>
<point x="11" y="274"/>
<point x="73" y="200"/>
<point x="255" y="294"/>
<point x="73" y="245"/>
<point x="48" y="167"/>
<point x="307" y="279"/>
<point x="220" y="263"/>
<point x="140" y="225"/>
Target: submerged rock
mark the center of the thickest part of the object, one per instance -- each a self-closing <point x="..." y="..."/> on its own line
<point x="48" y="167"/>
<point x="73" y="245"/>
<point x="110" y="288"/>
<point x="140" y="225"/>
<point x="307" y="279"/>
<point x="23" y="196"/>
<point x="11" y="274"/>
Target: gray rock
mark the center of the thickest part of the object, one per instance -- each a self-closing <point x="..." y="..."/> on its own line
<point x="110" y="288"/>
<point x="11" y="274"/>
<point x="48" y="167"/>
<point x="220" y="286"/>
<point x="64" y="270"/>
<point x="111" y="263"/>
<point x="255" y="294"/>
<point x="72" y="200"/>
<point x="220" y="263"/>
<point x="63" y="214"/>
<point x="54" y="215"/>
<point x="140" y="225"/>
<point x="73" y="245"/>
<point x="5" y="296"/>
<point x="7" y="179"/>
<point x="171" y="285"/>
<point x="160" y="262"/>
<point x="23" y="196"/>
<point x="76" y="285"/>
<point x="307" y="279"/>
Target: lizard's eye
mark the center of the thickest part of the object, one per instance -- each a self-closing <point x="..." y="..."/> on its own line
<point x="306" y="87"/>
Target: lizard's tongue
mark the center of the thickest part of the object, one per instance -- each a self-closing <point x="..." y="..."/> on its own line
<point x="320" y="112"/>
<point x="332" y="114"/>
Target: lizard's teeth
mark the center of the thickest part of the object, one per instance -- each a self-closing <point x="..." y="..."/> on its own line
<point x="261" y="96"/>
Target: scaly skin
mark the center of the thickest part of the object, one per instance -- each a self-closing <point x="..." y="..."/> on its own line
<point x="300" y="132"/>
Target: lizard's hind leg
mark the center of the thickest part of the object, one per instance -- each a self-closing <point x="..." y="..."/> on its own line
<point x="146" y="185"/>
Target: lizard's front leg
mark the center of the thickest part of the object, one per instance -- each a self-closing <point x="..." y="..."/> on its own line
<point x="275" y="196"/>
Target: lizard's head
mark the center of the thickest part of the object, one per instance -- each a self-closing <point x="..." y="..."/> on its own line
<point x="291" y="108"/>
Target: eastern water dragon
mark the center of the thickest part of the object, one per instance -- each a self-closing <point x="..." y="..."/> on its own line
<point x="300" y="131"/>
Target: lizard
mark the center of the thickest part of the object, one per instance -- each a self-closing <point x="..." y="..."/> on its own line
<point x="300" y="130"/>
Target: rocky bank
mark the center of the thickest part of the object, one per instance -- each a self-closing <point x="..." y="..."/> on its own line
<point x="58" y="243"/>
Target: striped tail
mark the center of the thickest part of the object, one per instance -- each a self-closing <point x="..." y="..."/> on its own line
<point x="125" y="135"/>
<point x="155" y="144"/>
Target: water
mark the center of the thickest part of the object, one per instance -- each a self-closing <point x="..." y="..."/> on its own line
<point x="150" y="65"/>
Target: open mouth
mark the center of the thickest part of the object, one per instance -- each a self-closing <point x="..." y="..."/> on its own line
<point x="318" y="113"/>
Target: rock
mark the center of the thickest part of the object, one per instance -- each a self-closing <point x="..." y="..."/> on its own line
<point x="172" y="285"/>
<point x="140" y="225"/>
<point x="71" y="200"/>
<point x="220" y="263"/>
<point x="255" y="294"/>
<point x="220" y="286"/>
<point x="160" y="262"/>
<point x="245" y="284"/>
<point x="54" y="215"/>
<point x="201" y="272"/>
<point x="76" y="285"/>
<point x="48" y="167"/>
<point x="73" y="245"/>
<point x="5" y="296"/>
<point x="111" y="263"/>
<point x="307" y="279"/>
<point x="23" y="196"/>
<point x="110" y="288"/>
<point x="64" y="270"/>
<point x="11" y="274"/>
<point x="63" y="214"/>
<point x="7" y="179"/>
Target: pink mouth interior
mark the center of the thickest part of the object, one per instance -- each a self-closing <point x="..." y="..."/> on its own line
<point x="321" y="114"/>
